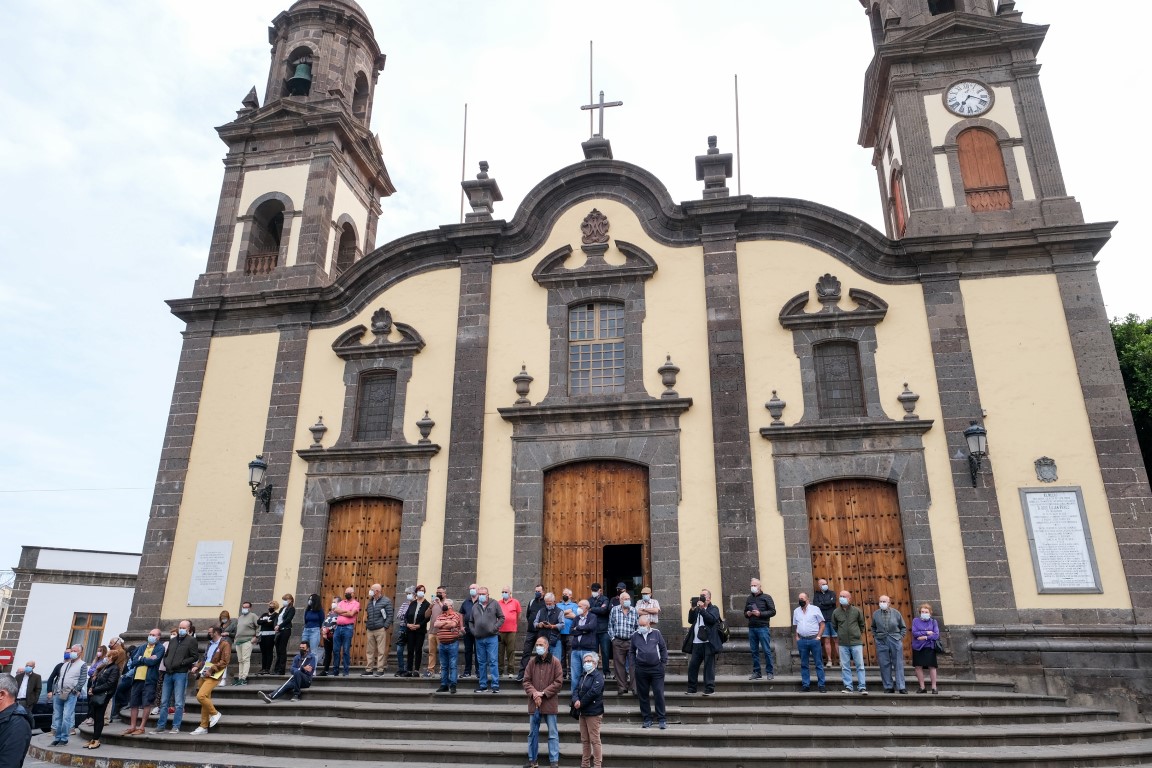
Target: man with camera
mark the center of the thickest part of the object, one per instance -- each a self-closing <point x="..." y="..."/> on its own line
<point x="702" y="642"/>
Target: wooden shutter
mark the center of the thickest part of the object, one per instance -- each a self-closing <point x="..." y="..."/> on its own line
<point x="983" y="172"/>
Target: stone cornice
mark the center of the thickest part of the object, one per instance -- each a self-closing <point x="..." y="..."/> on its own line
<point x="863" y="429"/>
<point x="369" y="452"/>
<point x="582" y="411"/>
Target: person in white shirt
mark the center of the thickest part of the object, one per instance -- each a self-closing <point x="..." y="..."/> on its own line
<point x="808" y="621"/>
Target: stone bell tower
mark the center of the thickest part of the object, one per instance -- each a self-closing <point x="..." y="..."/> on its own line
<point x="303" y="176"/>
<point x="955" y="116"/>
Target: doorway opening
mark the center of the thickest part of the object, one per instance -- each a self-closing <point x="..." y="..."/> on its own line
<point x="623" y="563"/>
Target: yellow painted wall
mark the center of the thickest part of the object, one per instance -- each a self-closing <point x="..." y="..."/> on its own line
<point x="217" y="505"/>
<point x="1030" y="390"/>
<point x="345" y="202"/>
<point x="675" y="324"/>
<point x="291" y="181"/>
<point x="771" y="273"/>
<point x="322" y="394"/>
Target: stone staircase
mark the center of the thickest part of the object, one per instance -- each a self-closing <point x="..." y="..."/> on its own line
<point x="397" y="721"/>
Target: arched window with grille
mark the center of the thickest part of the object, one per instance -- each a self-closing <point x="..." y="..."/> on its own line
<point x="595" y="348"/>
<point x="982" y="170"/>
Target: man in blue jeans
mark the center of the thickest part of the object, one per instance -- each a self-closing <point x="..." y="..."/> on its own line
<point x="64" y="690"/>
<point x="346" y="612"/>
<point x="178" y="660"/>
<point x="484" y="621"/>
<point x="543" y="679"/>
<point x="808" y="622"/>
<point x="759" y="609"/>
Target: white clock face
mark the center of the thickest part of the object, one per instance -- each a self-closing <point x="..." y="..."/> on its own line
<point x="968" y="98"/>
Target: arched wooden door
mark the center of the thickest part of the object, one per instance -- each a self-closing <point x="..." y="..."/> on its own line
<point x="858" y="545"/>
<point x="363" y="549"/>
<point x="596" y="526"/>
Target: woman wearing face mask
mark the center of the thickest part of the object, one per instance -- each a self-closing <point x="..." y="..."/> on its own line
<point x="327" y="628"/>
<point x="925" y="640"/>
<point x="284" y="633"/>
<point x="227" y="625"/>
<point x="313" y="618"/>
<point x="267" y="624"/>
<point x="416" y="622"/>
<point x="103" y="687"/>
<point x="588" y="702"/>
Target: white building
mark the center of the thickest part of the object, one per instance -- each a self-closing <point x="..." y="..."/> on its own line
<point x="66" y="596"/>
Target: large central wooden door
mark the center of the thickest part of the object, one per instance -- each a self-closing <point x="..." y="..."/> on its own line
<point x="363" y="549"/>
<point x="858" y="545"/>
<point x="596" y="526"/>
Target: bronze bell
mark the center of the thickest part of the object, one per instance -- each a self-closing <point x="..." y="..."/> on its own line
<point x="301" y="81"/>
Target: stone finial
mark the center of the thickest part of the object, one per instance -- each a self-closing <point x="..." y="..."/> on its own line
<point x="318" y="429"/>
<point x="251" y="101"/>
<point x="714" y="169"/>
<point x="597" y="148"/>
<point x="775" y="408"/>
<point x="668" y="373"/>
<point x="425" y="426"/>
<point x="523" y="381"/>
<point x="908" y="399"/>
<point x="483" y="194"/>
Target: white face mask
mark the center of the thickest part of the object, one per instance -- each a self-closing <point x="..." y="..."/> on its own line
<point x="589" y="666"/>
<point x="644" y="631"/>
<point x="541" y="650"/>
<point x="883" y="605"/>
<point x="472" y="593"/>
<point x="925" y="615"/>
<point x="371" y="593"/>
<point x="823" y="587"/>
<point x="334" y="603"/>
<point x="409" y="595"/>
<point x="755" y="590"/>
<point x="595" y="594"/>
<point x="419" y="594"/>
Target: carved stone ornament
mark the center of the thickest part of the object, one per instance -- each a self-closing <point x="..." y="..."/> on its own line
<point x="1046" y="470"/>
<point x="594" y="228"/>
<point x="382" y="322"/>
<point x="908" y="399"/>
<point x="668" y="373"/>
<point x="318" y="429"/>
<point x="775" y="408"/>
<point x="522" y="381"/>
<point x="828" y="290"/>
<point x="425" y="426"/>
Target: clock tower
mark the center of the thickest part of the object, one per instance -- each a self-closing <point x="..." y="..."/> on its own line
<point x="955" y="117"/>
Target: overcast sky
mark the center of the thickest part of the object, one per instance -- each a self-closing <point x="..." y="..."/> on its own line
<point x="111" y="171"/>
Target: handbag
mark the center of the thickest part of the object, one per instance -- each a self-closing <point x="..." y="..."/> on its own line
<point x="573" y="712"/>
<point x="99" y="699"/>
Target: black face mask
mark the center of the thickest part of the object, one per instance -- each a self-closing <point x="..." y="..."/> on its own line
<point x="347" y="595"/>
<point x="802" y="603"/>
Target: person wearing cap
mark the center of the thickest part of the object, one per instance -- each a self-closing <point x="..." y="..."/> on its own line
<point x="599" y="606"/>
<point x="649" y="606"/>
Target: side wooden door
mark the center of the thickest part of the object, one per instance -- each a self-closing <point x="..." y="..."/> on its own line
<point x="586" y="506"/>
<point x="858" y="545"/>
<point x="363" y="548"/>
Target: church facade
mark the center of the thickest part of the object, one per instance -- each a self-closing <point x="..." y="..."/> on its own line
<point x="613" y="387"/>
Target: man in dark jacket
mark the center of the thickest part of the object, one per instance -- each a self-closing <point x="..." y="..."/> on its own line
<point x="28" y="693"/>
<point x="703" y="642"/>
<point x="585" y="637"/>
<point x="759" y="609"/>
<point x="300" y="676"/>
<point x="647" y="658"/>
<point x="531" y="633"/>
<point x="469" y="640"/>
<point x="15" y="725"/>
<point x="600" y="606"/>
<point x="178" y="660"/>
<point x="825" y="599"/>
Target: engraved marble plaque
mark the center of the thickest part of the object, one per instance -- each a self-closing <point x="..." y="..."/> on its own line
<point x="1062" y="553"/>
<point x="210" y="573"/>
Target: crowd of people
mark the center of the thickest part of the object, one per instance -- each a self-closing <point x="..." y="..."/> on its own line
<point x="587" y="644"/>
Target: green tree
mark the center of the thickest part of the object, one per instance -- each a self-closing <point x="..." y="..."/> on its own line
<point x="1133" y="339"/>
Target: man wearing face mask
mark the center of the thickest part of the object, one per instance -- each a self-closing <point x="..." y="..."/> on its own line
<point x="510" y="609"/>
<point x="530" y="630"/>
<point x="16" y="725"/>
<point x="28" y="685"/>
<point x="759" y="609"/>
<point x="849" y="621"/>
<point x="346" y="612"/>
<point x="144" y="671"/>
<point x="178" y="660"/>
<point x="567" y="614"/>
<point x="622" y="623"/>
<point x="584" y="639"/>
<point x="378" y="615"/>
<point x="469" y="641"/>
<point x="888" y="630"/>
<point x="808" y="622"/>
<point x="64" y="689"/>
<point x="648" y="658"/>
<point x="544" y="677"/>
<point x="600" y="607"/>
<point x="825" y="599"/>
<point x="703" y="642"/>
<point x="484" y="622"/>
<point x="246" y="631"/>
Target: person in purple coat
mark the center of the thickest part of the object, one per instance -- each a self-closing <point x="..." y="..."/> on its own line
<point x="925" y="641"/>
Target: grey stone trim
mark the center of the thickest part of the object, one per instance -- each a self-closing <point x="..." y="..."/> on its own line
<point x="643" y="432"/>
<point x="279" y="439"/>
<point x="224" y="228"/>
<point x="170" y="475"/>
<point x="466" y="454"/>
<point x="982" y="533"/>
<point x="1007" y="156"/>
<point x="1110" y="418"/>
<point x="397" y="472"/>
<point x="80" y="578"/>
<point x="18" y="602"/>
<point x="892" y="451"/>
<point x="732" y="450"/>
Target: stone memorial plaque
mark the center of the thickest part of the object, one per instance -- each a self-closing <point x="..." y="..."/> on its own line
<point x="1062" y="553"/>
<point x="210" y="573"/>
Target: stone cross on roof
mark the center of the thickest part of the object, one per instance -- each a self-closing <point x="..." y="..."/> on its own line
<point x="602" y="106"/>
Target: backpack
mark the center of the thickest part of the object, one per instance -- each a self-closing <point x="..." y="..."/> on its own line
<point x="722" y="628"/>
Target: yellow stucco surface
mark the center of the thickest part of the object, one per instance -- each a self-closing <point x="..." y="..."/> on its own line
<point x="771" y="273"/>
<point x="1031" y="393"/>
<point x="217" y="505"/>
<point x="322" y="394"/>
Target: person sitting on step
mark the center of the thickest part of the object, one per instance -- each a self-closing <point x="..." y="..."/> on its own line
<point x="299" y="676"/>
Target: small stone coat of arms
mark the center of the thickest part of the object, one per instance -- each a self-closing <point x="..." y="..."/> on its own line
<point x="1046" y="470"/>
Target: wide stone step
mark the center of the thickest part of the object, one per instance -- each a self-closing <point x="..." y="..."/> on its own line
<point x="257" y="750"/>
